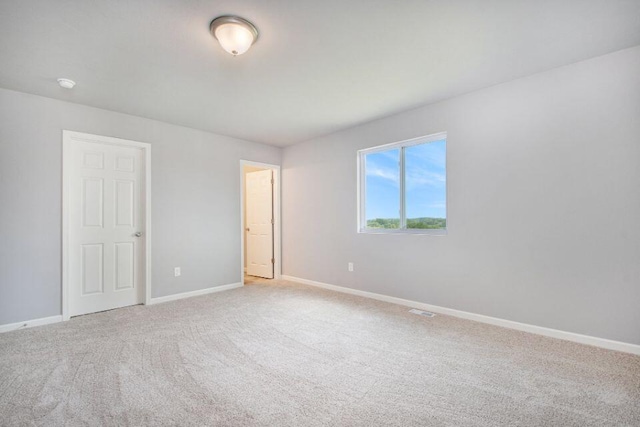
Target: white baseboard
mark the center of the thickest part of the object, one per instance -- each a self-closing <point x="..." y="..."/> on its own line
<point x="199" y="292"/>
<point x="539" y="330"/>
<point x="30" y="323"/>
<point x="55" y="319"/>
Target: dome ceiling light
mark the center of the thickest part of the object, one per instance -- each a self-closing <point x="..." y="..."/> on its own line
<point x="235" y="34"/>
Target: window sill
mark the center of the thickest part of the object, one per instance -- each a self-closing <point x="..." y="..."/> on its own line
<point x="414" y="231"/>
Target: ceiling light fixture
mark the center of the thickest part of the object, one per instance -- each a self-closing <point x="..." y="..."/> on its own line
<point x="235" y="34"/>
<point x="66" y="83"/>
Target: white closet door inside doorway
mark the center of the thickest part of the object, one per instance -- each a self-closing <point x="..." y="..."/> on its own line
<point x="259" y="188"/>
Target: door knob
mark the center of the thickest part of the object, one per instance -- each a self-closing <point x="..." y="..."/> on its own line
<point x="138" y="234"/>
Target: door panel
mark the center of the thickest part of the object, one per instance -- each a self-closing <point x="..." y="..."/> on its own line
<point x="259" y="188"/>
<point x="92" y="267"/>
<point x="92" y="199"/>
<point x="93" y="160"/>
<point x="106" y="258"/>
<point x="124" y="203"/>
<point x="125" y="163"/>
<point x="125" y="260"/>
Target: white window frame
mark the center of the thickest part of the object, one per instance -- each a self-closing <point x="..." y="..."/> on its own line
<point x="362" y="182"/>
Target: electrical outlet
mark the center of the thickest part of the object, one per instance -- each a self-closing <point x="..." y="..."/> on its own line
<point x="177" y="272"/>
<point x="350" y="266"/>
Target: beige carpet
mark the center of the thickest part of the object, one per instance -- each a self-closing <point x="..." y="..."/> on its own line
<point x="289" y="355"/>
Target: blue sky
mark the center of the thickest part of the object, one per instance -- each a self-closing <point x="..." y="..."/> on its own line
<point x="425" y="182"/>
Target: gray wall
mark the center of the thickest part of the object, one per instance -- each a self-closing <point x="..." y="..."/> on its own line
<point x="544" y="204"/>
<point x="195" y="200"/>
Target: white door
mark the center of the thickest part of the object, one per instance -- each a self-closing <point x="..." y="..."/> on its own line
<point x="105" y="223"/>
<point x="259" y="187"/>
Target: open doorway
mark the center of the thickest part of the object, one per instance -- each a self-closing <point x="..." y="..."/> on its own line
<point x="260" y="221"/>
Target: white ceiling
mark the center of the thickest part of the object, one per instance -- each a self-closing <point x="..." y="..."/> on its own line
<point x="318" y="66"/>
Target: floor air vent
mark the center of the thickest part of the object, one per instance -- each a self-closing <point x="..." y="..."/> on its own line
<point x="421" y="313"/>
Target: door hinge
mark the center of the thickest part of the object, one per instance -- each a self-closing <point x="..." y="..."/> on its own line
<point x="271" y="181"/>
<point x="271" y="220"/>
<point x="273" y="260"/>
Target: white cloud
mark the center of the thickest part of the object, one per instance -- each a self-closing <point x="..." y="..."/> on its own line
<point x="393" y="155"/>
<point x="433" y="154"/>
<point x="419" y="177"/>
<point x="383" y="173"/>
<point x="437" y="205"/>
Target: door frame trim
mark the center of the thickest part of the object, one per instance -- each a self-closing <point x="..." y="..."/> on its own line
<point x="277" y="228"/>
<point x="67" y="138"/>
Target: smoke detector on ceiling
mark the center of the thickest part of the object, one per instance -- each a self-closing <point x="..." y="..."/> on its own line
<point x="66" y="83"/>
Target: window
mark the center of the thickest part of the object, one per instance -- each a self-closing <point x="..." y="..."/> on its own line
<point x="403" y="187"/>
